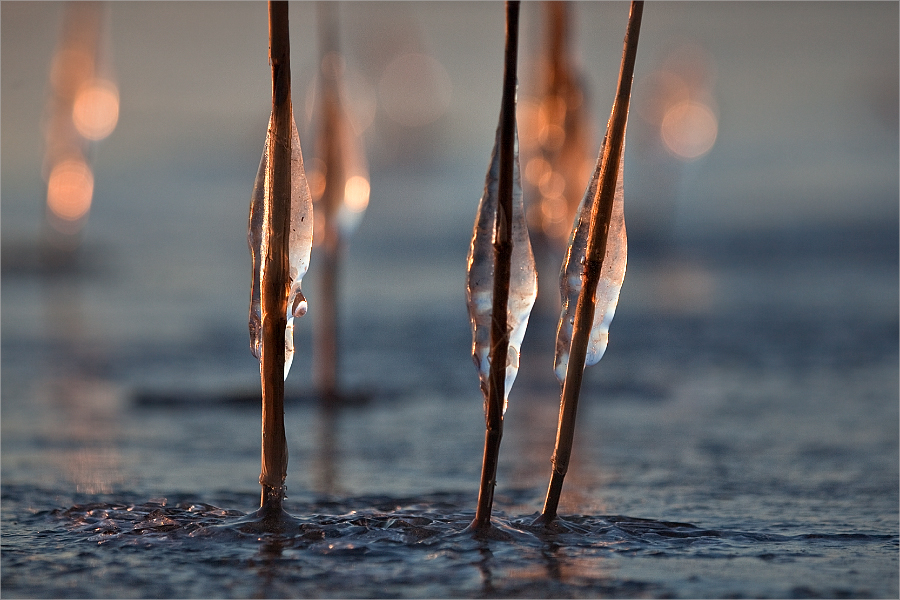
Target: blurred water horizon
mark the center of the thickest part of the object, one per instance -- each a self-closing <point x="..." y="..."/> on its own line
<point x="805" y="95"/>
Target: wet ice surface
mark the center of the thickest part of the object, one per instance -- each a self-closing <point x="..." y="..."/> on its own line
<point x="416" y="547"/>
<point x="739" y="439"/>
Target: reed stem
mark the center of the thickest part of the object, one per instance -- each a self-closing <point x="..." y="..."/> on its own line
<point x="502" y="267"/>
<point x="328" y="142"/>
<point x="601" y="213"/>
<point x="276" y="280"/>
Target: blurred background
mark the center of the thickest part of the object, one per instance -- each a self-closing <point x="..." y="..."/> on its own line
<point x="761" y="185"/>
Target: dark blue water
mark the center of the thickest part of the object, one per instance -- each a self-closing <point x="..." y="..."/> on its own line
<point x="739" y="438"/>
<point x="416" y="547"/>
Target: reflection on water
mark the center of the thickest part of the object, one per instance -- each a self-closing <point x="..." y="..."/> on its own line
<point x="80" y="409"/>
<point x="82" y="432"/>
<point x="327" y="478"/>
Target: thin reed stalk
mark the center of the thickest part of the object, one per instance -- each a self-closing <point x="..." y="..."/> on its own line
<point x="601" y="213"/>
<point x="276" y="280"/>
<point x="502" y="267"/>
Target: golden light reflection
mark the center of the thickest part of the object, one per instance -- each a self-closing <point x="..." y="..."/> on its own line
<point x="82" y="108"/>
<point x="356" y="193"/>
<point x="96" y="109"/>
<point x="689" y="129"/>
<point x="677" y="100"/>
<point x="341" y="192"/>
<point x="552" y="184"/>
<point x="85" y="421"/>
<point x="70" y="188"/>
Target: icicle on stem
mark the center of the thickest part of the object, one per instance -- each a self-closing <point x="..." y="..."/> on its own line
<point x="275" y="277"/>
<point x="601" y="214"/>
<point x="502" y="267"/>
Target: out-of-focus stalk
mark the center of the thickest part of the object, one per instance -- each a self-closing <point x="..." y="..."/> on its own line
<point x="557" y="134"/>
<point x="341" y="195"/>
<point x="82" y="109"/>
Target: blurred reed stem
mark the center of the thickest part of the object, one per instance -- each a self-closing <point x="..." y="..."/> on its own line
<point x="601" y="213"/>
<point x="327" y="333"/>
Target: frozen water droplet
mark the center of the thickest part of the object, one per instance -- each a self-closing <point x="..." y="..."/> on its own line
<point x="299" y="306"/>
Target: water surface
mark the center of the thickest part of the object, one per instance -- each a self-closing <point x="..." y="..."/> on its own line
<point x="739" y="438"/>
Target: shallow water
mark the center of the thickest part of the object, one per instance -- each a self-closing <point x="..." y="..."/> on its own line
<point x="739" y="438"/>
<point x="417" y="547"/>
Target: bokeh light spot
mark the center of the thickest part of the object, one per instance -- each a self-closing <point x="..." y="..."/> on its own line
<point x="96" y="109"/>
<point x="689" y="129"/>
<point x="69" y="189"/>
<point x="356" y="193"/>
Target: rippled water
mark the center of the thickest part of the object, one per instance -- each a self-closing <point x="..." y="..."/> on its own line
<point x="739" y="438"/>
<point x="417" y="547"/>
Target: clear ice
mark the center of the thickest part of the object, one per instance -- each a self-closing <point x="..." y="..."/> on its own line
<point x="612" y="273"/>
<point x="299" y="243"/>
<point x="480" y="278"/>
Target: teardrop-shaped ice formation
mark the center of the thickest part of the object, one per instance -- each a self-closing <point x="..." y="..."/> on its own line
<point x="480" y="280"/>
<point x="299" y="243"/>
<point x="612" y="273"/>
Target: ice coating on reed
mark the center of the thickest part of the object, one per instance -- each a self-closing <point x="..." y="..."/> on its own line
<point x="612" y="273"/>
<point x="299" y="243"/>
<point x="480" y="276"/>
